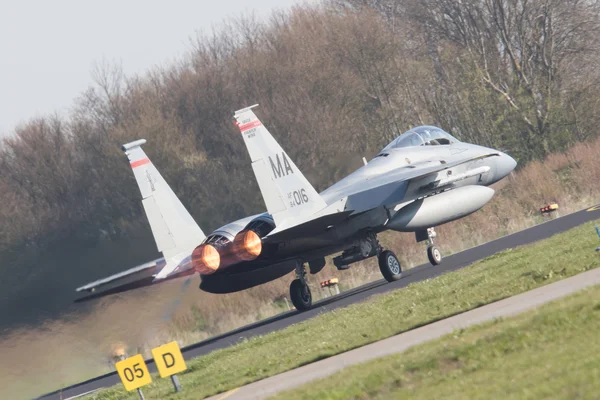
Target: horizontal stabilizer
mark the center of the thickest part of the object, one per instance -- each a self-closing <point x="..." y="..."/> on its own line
<point x="131" y="285"/>
<point x="149" y="268"/>
<point x="140" y="276"/>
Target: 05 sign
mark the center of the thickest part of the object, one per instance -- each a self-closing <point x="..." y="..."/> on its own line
<point x="133" y="372"/>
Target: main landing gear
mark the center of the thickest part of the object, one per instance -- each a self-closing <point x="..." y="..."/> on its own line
<point x="433" y="252"/>
<point x="299" y="290"/>
<point x="389" y="266"/>
<point x="363" y="248"/>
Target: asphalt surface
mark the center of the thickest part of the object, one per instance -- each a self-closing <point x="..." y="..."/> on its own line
<point x="420" y="273"/>
<point x="399" y="343"/>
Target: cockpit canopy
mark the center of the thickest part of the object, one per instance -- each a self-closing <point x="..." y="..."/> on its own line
<point x="422" y="136"/>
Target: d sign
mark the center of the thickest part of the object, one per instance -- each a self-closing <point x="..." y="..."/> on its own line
<point x="168" y="359"/>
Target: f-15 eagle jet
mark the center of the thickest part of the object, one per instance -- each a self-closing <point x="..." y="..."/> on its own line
<point x="424" y="178"/>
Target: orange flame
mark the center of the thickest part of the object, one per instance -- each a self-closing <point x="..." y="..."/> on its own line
<point x="206" y="259"/>
<point x="247" y="245"/>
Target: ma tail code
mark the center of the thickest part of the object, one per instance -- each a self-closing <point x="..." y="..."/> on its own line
<point x="280" y="169"/>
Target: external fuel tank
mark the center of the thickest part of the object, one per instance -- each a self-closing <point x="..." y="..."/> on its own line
<point x="441" y="208"/>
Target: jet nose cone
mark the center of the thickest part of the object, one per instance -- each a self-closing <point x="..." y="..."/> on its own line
<point x="504" y="165"/>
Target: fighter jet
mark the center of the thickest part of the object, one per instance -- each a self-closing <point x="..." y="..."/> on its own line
<point x="422" y="179"/>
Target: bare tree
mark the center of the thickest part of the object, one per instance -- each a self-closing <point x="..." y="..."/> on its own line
<point x="519" y="48"/>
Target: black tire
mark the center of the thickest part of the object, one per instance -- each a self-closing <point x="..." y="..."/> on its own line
<point x="435" y="255"/>
<point x="300" y="294"/>
<point x="390" y="266"/>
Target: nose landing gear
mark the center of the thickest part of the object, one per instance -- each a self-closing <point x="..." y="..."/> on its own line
<point x="433" y="252"/>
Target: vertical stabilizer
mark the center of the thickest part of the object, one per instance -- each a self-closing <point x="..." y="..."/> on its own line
<point x="287" y="193"/>
<point x="175" y="231"/>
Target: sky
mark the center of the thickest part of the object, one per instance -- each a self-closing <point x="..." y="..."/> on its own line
<point x="48" y="48"/>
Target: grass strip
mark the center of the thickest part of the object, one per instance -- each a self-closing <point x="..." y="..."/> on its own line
<point x="502" y="275"/>
<point x="549" y="353"/>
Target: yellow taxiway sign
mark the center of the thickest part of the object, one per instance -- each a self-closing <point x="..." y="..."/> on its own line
<point x="133" y="372"/>
<point x="168" y="359"/>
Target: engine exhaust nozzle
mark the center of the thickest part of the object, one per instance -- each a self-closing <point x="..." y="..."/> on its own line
<point x="247" y="245"/>
<point x="206" y="259"/>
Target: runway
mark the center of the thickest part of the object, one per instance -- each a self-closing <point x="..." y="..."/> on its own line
<point x="422" y="272"/>
<point x="399" y="343"/>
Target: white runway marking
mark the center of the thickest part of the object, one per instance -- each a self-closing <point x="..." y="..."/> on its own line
<point x="83" y="394"/>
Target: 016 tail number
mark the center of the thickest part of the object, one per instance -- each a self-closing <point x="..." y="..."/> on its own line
<point x="298" y="197"/>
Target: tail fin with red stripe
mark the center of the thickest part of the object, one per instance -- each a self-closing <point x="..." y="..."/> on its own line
<point x="288" y="195"/>
<point x="174" y="229"/>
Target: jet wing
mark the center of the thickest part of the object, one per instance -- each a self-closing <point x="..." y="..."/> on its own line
<point x="316" y="225"/>
<point x="407" y="173"/>
<point x="391" y="185"/>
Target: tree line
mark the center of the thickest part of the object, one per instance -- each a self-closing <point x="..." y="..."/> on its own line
<point x="335" y="81"/>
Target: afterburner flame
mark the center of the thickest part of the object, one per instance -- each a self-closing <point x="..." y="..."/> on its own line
<point x="247" y="245"/>
<point x="206" y="259"/>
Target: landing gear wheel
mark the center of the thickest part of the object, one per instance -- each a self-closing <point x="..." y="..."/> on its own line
<point x="389" y="266"/>
<point x="300" y="294"/>
<point x="434" y="254"/>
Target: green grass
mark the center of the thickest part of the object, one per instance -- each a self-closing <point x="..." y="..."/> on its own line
<point x="553" y="352"/>
<point x="504" y="274"/>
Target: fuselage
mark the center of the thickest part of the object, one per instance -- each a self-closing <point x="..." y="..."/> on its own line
<point x="376" y="197"/>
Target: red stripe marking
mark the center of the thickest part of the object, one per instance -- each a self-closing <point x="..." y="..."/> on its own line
<point x="141" y="162"/>
<point x="250" y="125"/>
